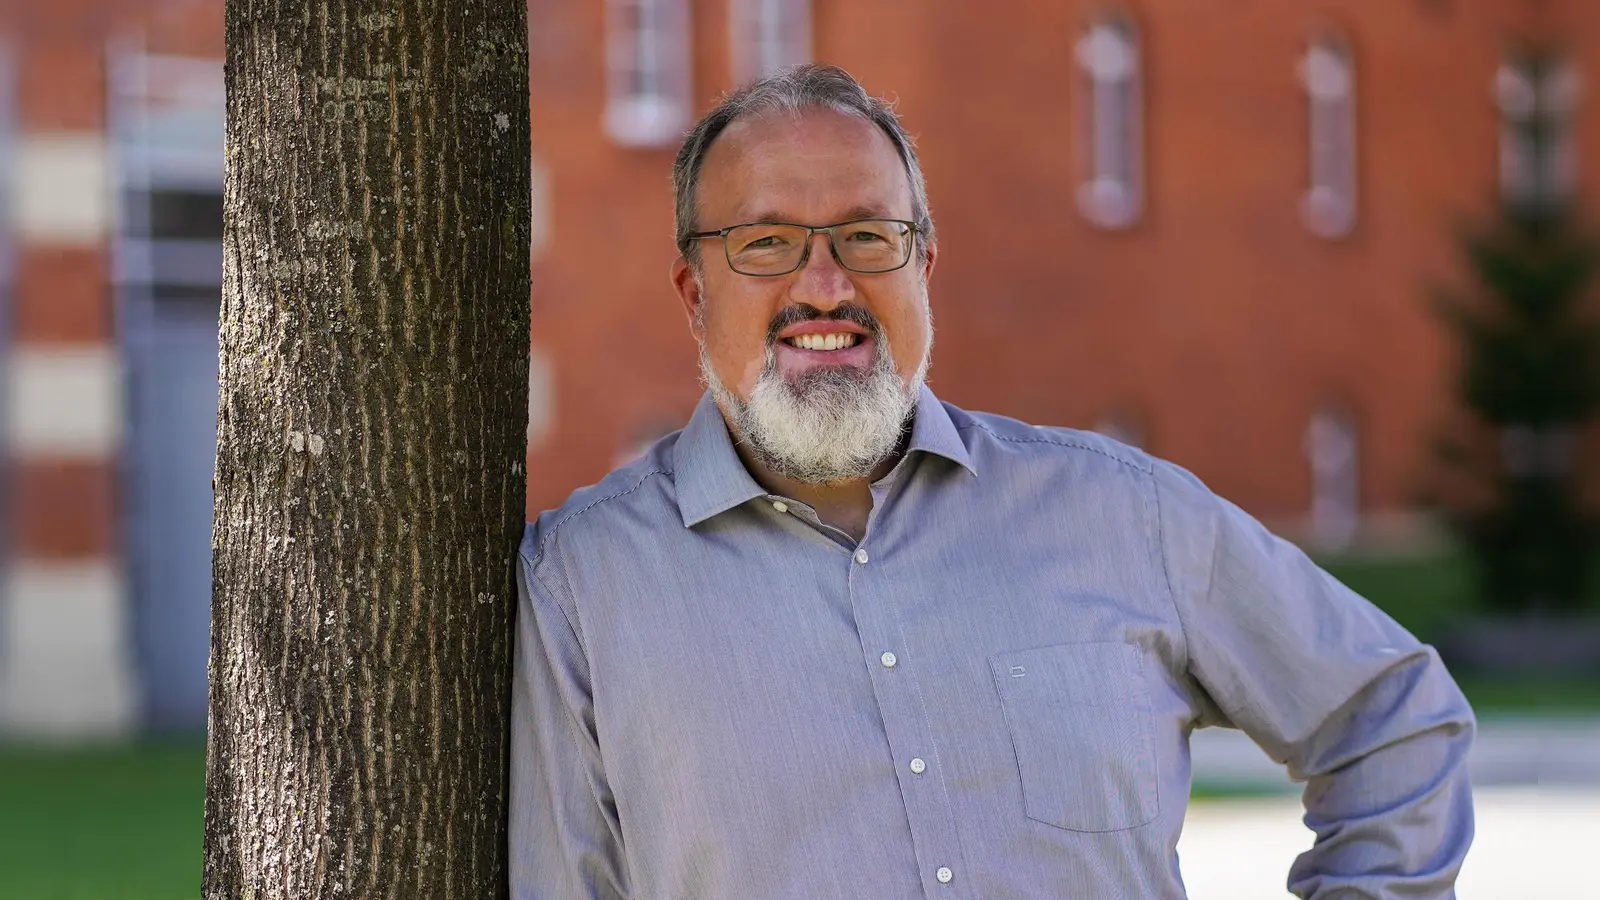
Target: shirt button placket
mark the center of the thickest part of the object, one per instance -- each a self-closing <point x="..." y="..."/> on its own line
<point x="920" y="802"/>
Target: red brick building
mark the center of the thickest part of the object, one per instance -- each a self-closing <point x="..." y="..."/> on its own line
<point x="1209" y="227"/>
<point x="1217" y="321"/>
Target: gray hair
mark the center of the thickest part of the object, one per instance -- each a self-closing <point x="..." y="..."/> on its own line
<point x="794" y="90"/>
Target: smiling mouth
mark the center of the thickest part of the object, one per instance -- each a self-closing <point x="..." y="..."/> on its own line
<point x="840" y="340"/>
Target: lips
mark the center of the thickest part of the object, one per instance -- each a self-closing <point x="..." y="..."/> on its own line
<point x="839" y="350"/>
<point x="804" y="341"/>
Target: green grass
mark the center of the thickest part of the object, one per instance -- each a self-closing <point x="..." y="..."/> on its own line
<point x="1531" y="696"/>
<point x="1423" y="594"/>
<point x="110" y="823"/>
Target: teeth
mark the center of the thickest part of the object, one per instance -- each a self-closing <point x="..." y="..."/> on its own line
<point x="835" y="341"/>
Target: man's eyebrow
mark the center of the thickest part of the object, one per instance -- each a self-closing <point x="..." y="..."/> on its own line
<point x="866" y="211"/>
<point x="859" y="211"/>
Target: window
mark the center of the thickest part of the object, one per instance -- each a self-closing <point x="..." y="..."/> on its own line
<point x="647" y="52"/>
<point x="1111" y="188"/>
<point x="1331" y="452"/>
<point x="165" y="118"/>
<point x="1538" y="97"/>
<point x="768" y="35"/>
<point x="1329" y="204"/>
<point x="167" y="131"/>
<point x="6" y="165"/>
<point x="1123" y="425"/>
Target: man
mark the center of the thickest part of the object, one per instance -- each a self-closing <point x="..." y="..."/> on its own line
<point x="839" y="639"/>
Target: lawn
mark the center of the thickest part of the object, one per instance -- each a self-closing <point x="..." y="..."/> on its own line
<point x="112" y="823"/>
<point x="125" y="823"/>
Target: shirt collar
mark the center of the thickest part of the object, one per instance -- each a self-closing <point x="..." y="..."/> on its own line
<point x="933" y="432"/>
<point x="711" y="479"/>
<point x="708" y="473"/>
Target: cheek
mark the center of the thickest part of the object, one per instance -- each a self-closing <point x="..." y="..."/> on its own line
<point x="738" y="350"/>
<point x="909" y="334"/>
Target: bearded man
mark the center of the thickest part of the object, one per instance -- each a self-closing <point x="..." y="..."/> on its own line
<point x="837" y="638"/>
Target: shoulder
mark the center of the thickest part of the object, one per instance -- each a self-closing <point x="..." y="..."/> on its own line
<point x="640" y="492"/>
<point x="982" y="431"/>
<point x="999" y="440"/>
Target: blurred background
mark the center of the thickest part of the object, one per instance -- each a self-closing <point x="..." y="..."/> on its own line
<point x="1335" y="257"/>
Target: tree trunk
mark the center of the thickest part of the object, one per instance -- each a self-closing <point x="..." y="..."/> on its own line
<point x="371" y="447"/>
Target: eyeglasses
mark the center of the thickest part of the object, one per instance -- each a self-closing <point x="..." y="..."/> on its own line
<point x="866" y="246"/>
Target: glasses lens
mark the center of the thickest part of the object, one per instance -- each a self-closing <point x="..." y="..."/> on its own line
<point x="872" y="245"/>
<point x="765" y="249"/>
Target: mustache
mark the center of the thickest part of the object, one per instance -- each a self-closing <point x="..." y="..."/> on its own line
<point x="800" y="312"/>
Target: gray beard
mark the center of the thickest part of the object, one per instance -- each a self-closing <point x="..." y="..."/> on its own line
<point x="831" y="425"/>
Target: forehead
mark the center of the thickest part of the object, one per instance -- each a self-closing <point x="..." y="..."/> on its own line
<point x="803" y="168"/>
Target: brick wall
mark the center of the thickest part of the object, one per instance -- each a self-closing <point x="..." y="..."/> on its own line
<point x="1219" y="321"/>
<point x="65" y="664"/>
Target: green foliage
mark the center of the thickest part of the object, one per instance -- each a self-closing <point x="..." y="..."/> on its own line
<point x="1423" y="593"/>
<point x="1530" y="376"/>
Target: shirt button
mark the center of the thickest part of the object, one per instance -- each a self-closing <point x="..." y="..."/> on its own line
<point x="888" y="659"/>
<point x="861" y="557"/>
<point x="944" y="875"/>
<point x="780" y="506"/>
<point x="918" y="766"/>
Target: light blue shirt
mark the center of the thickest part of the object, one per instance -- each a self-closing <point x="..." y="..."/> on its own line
<point x="719" y="697"/>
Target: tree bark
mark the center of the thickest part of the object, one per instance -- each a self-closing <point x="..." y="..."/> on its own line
<point x="371" y="446"/>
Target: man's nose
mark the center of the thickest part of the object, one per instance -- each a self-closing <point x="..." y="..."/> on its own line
<point x="822" y="282"/>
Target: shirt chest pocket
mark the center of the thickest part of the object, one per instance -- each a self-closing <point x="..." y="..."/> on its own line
<point x="1079" y="716"/>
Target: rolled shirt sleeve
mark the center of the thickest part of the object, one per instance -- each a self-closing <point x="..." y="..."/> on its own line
<point x="1330" y="687"/>
<point x="564" y="840"/>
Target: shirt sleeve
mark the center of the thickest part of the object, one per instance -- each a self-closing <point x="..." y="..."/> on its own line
<point x="1332" y="688"/>
<point x="564" y="841"/>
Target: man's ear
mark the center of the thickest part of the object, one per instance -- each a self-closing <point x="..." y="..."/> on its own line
<point x="687" y="285"/>
<point x="929" y="254"/>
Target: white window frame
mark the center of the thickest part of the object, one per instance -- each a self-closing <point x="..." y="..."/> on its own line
<point x="1561" y="93"/>
<point x="1123" y="424"/>
<point x="647" y="71"/>
<point x="1328" y="74"/>
<point x="766" y="36"/>
<point x="1520" y="94"/>
<point x="1111" y="188"/>
<point x="166" y="128"/>
<point x="7" y="286"/>
<point x="1516" y="96"/>
<point x="1333" y="456"/>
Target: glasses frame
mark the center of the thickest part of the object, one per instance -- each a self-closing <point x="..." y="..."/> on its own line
<point x="805" y="254"/>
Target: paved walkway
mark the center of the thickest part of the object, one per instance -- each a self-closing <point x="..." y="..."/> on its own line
<point x="1533" y="843"/>
<point x="1537" y="798"/>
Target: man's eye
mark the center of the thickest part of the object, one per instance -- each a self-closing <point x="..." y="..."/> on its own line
<point x="764" y="243"/>
<point x="862" y="237"/>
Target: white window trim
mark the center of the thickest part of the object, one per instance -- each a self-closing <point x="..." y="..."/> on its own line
<point x="1327" y="72"/>
<point x="656" y="112"/>
<point x="1515" y="97"/>
<point x="1110" y="62"/>
<point x="1333" y="456"/>
<point x="165" y="126"/>
<point x="768" y="35"/>
<point x="1520" y="96"/>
